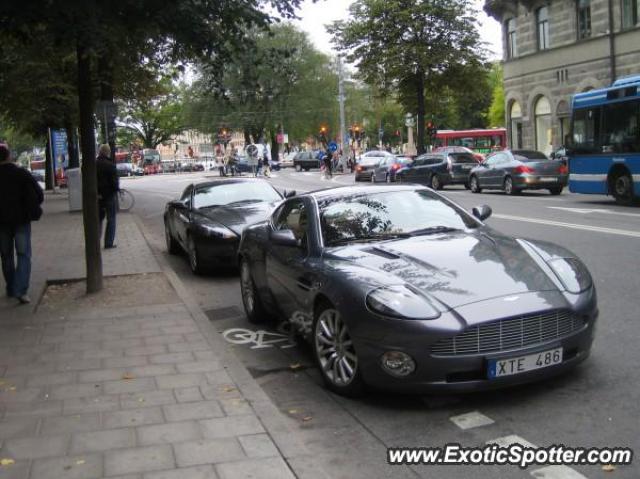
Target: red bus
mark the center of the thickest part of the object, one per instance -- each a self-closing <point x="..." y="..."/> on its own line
<point x="151" y="161"/>
<point x="480" y="141"/>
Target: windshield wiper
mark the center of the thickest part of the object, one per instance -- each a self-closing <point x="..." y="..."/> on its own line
<point x="366" y="239"/>
<point x="433" y="230"/>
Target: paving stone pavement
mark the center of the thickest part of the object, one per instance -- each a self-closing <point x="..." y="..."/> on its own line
<point x="133" y="392"/>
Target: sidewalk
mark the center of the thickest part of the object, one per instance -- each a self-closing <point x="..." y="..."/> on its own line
<point x="145" y="391"/>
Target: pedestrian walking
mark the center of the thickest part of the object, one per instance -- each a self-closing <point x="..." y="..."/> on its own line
<point x="265" y="161"/>
<point x="20" y="200"/>
<point x="328" y="158"/>
<point x="108" y="188"/>
<point x="220" y="162"/>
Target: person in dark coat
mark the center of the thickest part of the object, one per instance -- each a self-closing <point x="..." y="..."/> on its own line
<point x="108" y="188"/>
<point x="20" y="200"/>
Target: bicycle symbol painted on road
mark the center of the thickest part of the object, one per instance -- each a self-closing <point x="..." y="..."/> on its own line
<point x="258" y="339"/>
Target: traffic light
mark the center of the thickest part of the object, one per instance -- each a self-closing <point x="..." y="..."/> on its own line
<point x="323" y="134"/>
<point x="431" y="130"/>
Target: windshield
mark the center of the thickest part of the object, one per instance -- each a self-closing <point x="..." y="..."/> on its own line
<point x="228" y="193"/>
<point x="529" y="155"/>
<point x="370" y="160"/>
<point x="388" y="214"/>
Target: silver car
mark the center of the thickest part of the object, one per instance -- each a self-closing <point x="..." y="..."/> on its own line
<point x="514" y="171"/>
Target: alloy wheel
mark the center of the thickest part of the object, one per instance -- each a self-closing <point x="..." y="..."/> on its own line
<point x="334" y="349"/>
<point x="623" y="189"/>
<point x="246" y="286"/>
<point x="435" y="182"/>
<point x="193" y="256"/>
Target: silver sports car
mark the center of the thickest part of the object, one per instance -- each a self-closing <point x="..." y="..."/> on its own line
<point x="398" y="288"/>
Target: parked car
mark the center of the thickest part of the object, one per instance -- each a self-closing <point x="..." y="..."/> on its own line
<point x="398" y="288"/>
<point x="197" y="167"/>
<point x="514" y="171"/>
<point x="124" y="169"/>
<point x="305" y="160"/>
<point x="459" y="149"/>
<point x="439" y="169"/>
<point x="287" y="159"/>
<point x="388" y="167"/>
<point x="209" y="217"/>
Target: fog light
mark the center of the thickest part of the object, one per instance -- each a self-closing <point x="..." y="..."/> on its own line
<point x="397" y="363"/>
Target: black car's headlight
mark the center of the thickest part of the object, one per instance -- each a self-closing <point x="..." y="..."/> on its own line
<point x="401" y="302"/>
<point x="218" y="231"/>
<point x="572" y="274"/>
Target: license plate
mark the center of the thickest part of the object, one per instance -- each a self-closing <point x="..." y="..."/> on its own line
<point x="549" y="179"/>
<point x="467" y="167"/>
<point x="508" y="367"/>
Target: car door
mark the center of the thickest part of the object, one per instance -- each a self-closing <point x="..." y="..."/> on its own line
<point x="412" y="174"/>
<point x="181" y="217"/>
<point x="286" y="264"/>
<point x="489" y="173"/>
<point x="380" y="170"/>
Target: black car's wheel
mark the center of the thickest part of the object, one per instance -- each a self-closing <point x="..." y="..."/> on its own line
<point x="298" y="168"/>
<point x="474" y="184"/>
<point x="335" y="353"/>
<point x="556" y="190"/>
<point x="508" y="187"/>
<point x="250" y="299"/>
<point x="172" y="244"/>
<point x="435" y="182"/>
<point x="622" y="186"/>
<point x="194" y="257"/>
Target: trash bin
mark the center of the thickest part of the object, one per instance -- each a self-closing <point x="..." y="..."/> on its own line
<point x="74" y="187"/>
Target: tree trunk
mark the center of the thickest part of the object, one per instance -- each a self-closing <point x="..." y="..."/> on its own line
<point x="274" y="146"/>
<point x="247" y="136"/>
<point x="49" y="180"/>
<point x="72" y="145"/>
<point x="93" y="256"/>
<point x="421" y="111"/>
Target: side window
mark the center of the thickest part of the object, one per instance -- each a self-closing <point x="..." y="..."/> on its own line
<point x="186" y="194"/>
<point x="493" y="160"/>
<point x="293" y="216"/>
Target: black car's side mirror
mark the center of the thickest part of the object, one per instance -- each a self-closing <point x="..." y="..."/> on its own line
<point x="481" y="212"/>
<point x="289" y="193"/>
<point x="284" y="238"/>
<point x="179" y="205"/>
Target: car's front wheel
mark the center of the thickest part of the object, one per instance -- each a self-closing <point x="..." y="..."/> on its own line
<point x="435" y="182"/>
<point x="508" y="186"/>
<point x="194" y="256"/>
<point x="250" y="297"/>
<point x="335" y="353"/>
<point x="474" y="184"/>
<point x="172" y="244"/>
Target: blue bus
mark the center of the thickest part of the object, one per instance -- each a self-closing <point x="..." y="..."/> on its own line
<point x="604" y="156"/>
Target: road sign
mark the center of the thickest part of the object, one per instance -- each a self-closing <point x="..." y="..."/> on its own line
<point x="333" y="146"/>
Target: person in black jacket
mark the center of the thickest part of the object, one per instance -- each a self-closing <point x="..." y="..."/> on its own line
<point x="20" y="200"/>
<point x="108" y="187"/>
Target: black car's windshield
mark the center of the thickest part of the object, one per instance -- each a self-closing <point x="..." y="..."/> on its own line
<point x="236" y="193"/>
<point x="389" y="215"/>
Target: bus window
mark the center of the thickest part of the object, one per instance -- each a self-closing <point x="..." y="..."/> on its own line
<point x="483" y="142"/>
<point x="620" y="132"/>
<point x="586" y="127"/>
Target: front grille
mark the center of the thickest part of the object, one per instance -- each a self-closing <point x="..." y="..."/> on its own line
<point x="508" y="334"/>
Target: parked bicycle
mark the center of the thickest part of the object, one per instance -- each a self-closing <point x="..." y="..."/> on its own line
<point x="126" y="200"/>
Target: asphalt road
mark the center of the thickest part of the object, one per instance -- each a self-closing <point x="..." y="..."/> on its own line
<point x="596" y="405"/>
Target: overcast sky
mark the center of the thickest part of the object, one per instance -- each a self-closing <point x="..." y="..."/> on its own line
<point x="315" y="15"/>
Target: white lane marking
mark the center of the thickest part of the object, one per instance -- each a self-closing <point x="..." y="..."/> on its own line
<point x="595" y="229"/>
<point x="557" y="472"/>
<point x="471" y="419"/>
<point x="594" y="210"/>
<point x="509" y="440"/>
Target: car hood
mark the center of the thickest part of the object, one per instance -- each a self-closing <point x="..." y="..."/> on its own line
<point x="236" y="217"/>
<point x="454" y="268"/>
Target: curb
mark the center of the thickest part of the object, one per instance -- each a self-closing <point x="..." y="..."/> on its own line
<point x="286" y="439"/>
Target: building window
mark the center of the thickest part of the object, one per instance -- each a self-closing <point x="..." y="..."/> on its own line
<point x="629" y="13"/>
<point x="542" y="25"/>
<point x="584" y="19"/>
<point x="515" y="124"/>
<point x="512" y="45"/>
<point x="542" y="113"/>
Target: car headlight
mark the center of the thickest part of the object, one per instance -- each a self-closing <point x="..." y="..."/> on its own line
<point x="572" y="274"/>
<point x="218" y="231"/>
<point x="401" y="302"/>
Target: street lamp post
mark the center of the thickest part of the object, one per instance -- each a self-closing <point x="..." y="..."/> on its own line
<point x="410" y="123"/>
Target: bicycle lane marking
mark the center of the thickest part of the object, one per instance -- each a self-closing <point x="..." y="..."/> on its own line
<point x="256" y="338"/>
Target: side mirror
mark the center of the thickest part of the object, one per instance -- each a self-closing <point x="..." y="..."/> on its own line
<point x="179" y="205"/>
<point x="481" y="212"/>
<point x="284" y="238"/>
<point x="289" y="193"/>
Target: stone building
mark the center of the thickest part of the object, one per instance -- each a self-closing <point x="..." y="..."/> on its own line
<point x="554" y="49"/>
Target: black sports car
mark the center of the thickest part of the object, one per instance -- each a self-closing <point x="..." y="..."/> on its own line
<point x="208" y="219"/>
<point x="399" y="288"/>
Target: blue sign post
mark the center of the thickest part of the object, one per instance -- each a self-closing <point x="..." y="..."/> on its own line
<point x="333" y="146"/>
